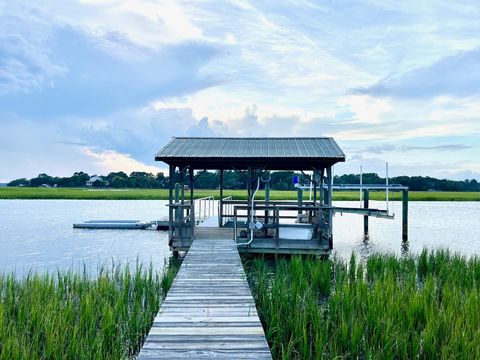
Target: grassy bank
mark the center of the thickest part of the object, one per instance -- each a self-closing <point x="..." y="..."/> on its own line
<point x="389" y="308"/>
<point x="67" y="315"/>
<point x="161" y="194"/>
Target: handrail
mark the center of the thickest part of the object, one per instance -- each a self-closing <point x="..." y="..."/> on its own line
<point x="312" y="211"/>
<point x="227" y="209"/>
<point x="205" y="208"/>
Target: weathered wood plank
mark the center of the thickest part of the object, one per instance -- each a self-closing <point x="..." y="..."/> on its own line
<point x="209" y="311"/>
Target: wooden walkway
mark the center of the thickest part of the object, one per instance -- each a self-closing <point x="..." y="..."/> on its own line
<point x="209" y="312"/>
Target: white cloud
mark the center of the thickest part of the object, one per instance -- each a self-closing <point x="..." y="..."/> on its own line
<point x="120" y="77"/>
<point x="366" y="109"/>
<point x="108" y="161"/>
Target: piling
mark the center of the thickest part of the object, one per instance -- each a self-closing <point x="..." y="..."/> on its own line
<point x="404" y="215"/>
<point x="365" y="206"/>
<point x="299" y="199"/>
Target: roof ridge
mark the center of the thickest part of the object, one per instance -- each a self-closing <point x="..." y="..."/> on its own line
<point x="252" y="137"/>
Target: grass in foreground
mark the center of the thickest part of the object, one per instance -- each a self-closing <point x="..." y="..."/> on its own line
<point x="423" y="307"/>
<point x="68" y="315"/>
<point x="162" y="194"/>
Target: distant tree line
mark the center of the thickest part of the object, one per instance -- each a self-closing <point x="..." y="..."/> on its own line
<point x="281" y="180"/>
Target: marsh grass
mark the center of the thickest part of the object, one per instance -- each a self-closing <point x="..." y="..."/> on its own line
<point x="414" y="307"/>
<point x="69" y="315"/>
<point x="162" y="194"/>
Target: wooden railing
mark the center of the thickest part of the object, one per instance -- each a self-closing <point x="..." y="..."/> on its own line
<point x="204" y="208"/>
<point x="270" y="216"/>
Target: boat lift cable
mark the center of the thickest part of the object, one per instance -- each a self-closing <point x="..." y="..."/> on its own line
<point x="255" y="225"/>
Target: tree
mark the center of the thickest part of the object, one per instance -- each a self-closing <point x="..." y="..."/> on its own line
<point x="119" y="182"/>
<point x="42" y="179"/>
<point x="19" y="182"/>
<point x="79" y="179"/>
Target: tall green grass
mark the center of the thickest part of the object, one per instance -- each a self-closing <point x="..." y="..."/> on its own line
<point x="162" y="194"/>
<point x="68" y="315"/>
<point x="414" y="307"/>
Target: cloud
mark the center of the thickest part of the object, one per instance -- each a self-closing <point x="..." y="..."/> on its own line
<point x="27" y="149"/>
<point x="456" y="76"/>
<point x="94" y="82"/>
<point x="119" y="78"/>
<point x="108" y="161"/>
<point x="386" y="148"/>
<point x="25" y="65"/>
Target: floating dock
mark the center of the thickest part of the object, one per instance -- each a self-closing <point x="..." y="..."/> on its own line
<point x="209" y="311"/>
<point x="121" y="224"/>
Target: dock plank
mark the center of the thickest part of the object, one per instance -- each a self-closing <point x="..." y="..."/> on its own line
<point x="209" y="311"/>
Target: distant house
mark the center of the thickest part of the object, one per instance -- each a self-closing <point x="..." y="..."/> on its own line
<point x="92" y="180"/>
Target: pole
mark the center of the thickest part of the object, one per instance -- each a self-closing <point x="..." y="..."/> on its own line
<point x="386" y="180"/>
<point x="171" y="174"/>
<point x="190" y="173"/>
<point x="405" y="215"/>
<point x="267" y="204"/>
<point x="192" y="203"/>
<point x="361" y="184"/>
<point x="220" y="209"/>
<point x="311" y="184"/>
<point x="330" y="203"/>
<point x="299" y="199"/>
<point x="177" y="198"/>
<point x="249" y="193"/>
<point x="365" y="206"/>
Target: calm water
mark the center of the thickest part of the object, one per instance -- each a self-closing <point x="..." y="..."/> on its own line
<point x="453" y="225"/>
<point x="38" y="233"/>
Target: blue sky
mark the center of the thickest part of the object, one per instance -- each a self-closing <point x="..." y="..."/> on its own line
<point x="100" y="86"/>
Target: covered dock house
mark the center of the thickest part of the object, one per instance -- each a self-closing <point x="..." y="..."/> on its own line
<point x="258" y="226"/>
<point x="209" y="311"/>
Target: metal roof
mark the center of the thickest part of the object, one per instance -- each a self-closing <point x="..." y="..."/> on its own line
<point x="223" y="152"/>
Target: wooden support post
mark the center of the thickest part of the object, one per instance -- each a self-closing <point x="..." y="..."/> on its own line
<point x="330" y="203"/>
<point x="177" y="198"/>
<point x="322" y="179"/>
<point x="249" y="193"/>
<point x="182" y="181"/>
<point x="171" y="173"/>
<point x="365" y="206"/>
<point x="314" y="175"/>
<point x="321" y="213"/>
<point x="267" y="193"/>
<point x="190" y="173"/>
<point x="220" y="203"/>
<point x="405" y="215"/>
<point x="192" y="203"/>
<point x="299" y="199"/>
<point x="267" y="203"/>
<point x="181" y="208"/>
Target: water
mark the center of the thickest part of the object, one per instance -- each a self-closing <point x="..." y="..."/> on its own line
<point x="38" y="234"/>
<point x="432" y="224"/>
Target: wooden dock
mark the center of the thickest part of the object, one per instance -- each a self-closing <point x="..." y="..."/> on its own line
<point x="209" y="312"/>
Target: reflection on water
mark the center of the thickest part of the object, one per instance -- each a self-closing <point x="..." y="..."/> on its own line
<point x="453" y="225"/>
<point x="39" y="233"/>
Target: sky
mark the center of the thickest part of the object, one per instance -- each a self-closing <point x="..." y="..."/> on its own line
<point x="101" y="86"/>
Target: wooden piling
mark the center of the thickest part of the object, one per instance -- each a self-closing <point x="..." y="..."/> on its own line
<point x="404" y="215"/>
<point x="365" y="206"/>
<point x="220" y="206"/>
<point x="299" y="199"/>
